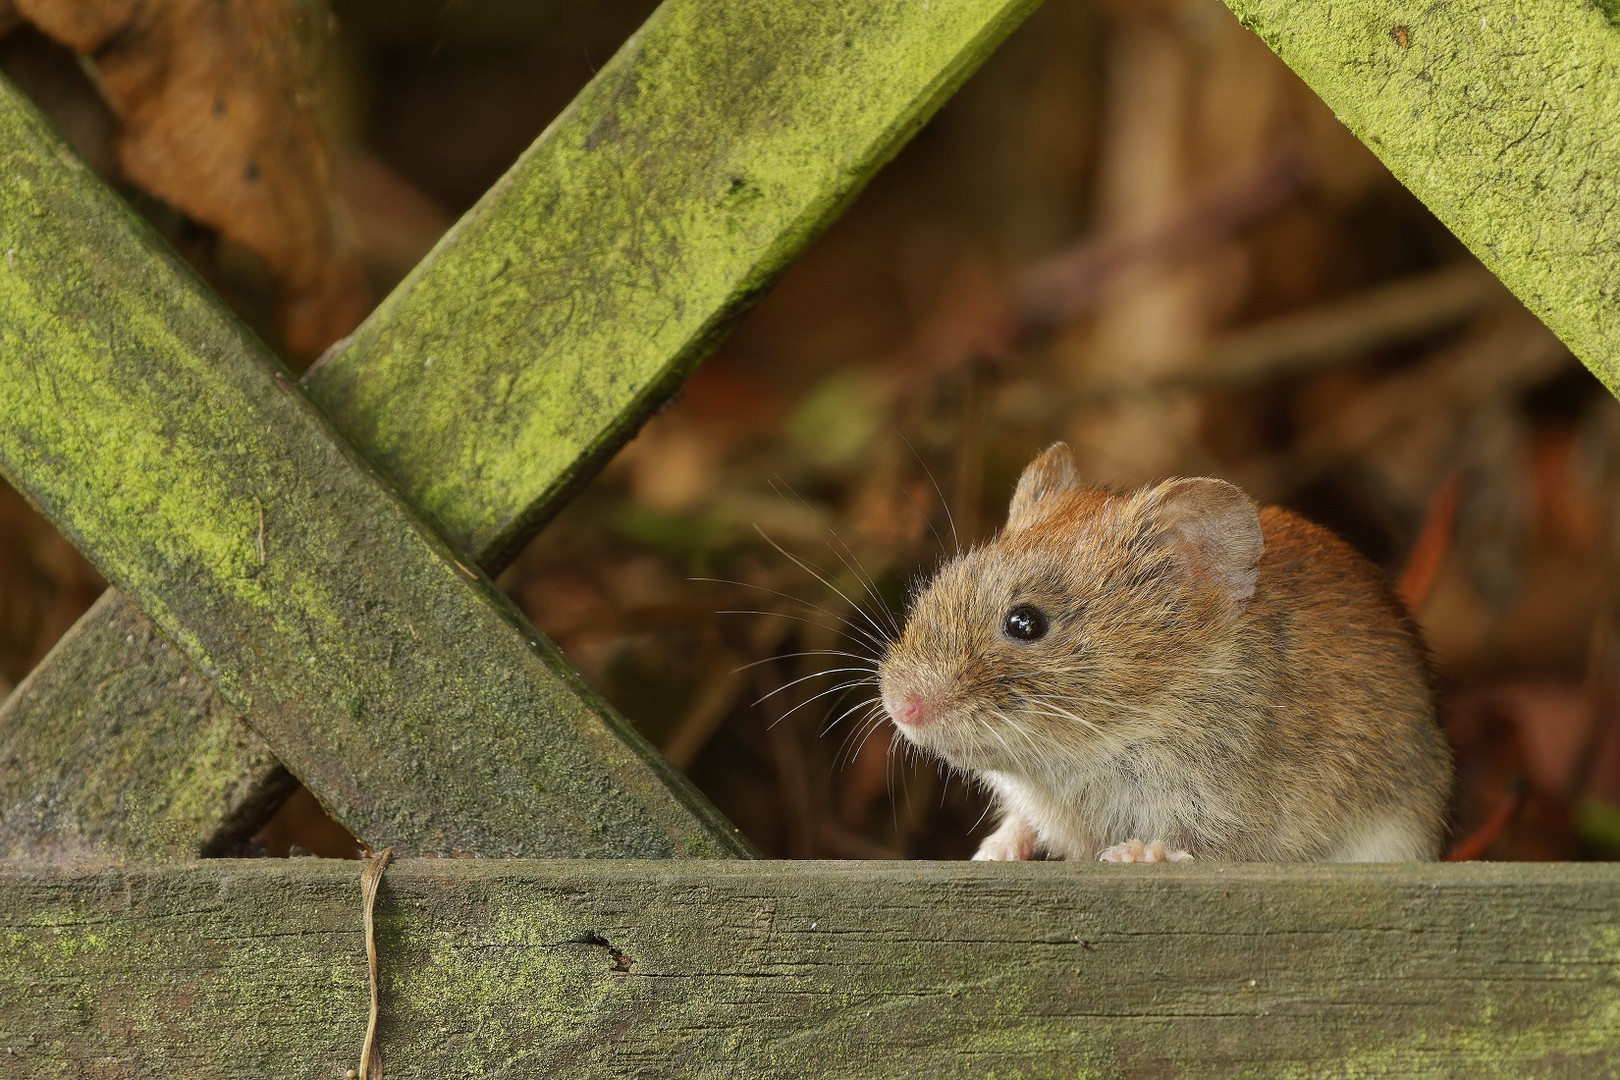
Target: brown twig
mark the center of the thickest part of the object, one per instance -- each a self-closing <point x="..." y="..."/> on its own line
<point x="1433" y="541"/>
<point x="1602" y="704"/>
<point x="1403" y="310"/>
<point x="260" y="504"/>
<point x="370" y="879"/>
<point x="709" y="709"/>
<point x="990" y="322"/>
<point x="1076" y="281"/>
<point x="1326" y="336"/>
<point x="1501" y="355"/>
<point x="1479" y="841"/>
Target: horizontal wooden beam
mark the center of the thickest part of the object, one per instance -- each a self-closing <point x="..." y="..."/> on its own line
<point x="682" y="969"/>
<point x="527" y="347"/>
<point x="163" y="440"/>
<point x="1501" y="117"/>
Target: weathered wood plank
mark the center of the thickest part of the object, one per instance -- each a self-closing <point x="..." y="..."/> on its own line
<point x="816" y="970"/>
<point x="1499" y="116"/>
<point x="166" y="443"/>
<point x="91" y="758"/>
<point x="563" y="307"/>
<point x="673" y="191"/>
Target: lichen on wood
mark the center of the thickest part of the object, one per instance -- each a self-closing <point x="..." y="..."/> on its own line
<point x="1498" y="115"/>
<point x="91" y="758"/>
<point x="562" y="309"/>
<point x="680" y="183"/>
<point x="398" y="684"/>
<point x="725" y="969"/>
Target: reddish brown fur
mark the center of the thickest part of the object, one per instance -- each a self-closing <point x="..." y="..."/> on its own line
<point x="1293" y="723"/>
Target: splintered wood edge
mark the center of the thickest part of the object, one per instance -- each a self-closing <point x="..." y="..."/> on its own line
<point x="670" y="968"/>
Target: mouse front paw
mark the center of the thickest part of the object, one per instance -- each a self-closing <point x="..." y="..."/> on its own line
<point x="1134" y="850"/>
<point x="1013" y="841"/>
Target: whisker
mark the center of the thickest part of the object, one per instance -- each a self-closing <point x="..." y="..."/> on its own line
<point x="996" y="731"/>
<point x="888" y="777"/>
<point x="1100" y="703"/>
<point x="862" y="728"/>
<point x="815" y="675"/>
<point x="868" y="704"/>
<point x="988" y="803"/>
<point x="839" y="689"/>
<point x="940" y="540"/>
<point x="853" y="564"/>
<point x="943" y="502"/>
<point x="1062" y="713"/>
<point x="795" y="655"/>
<point x="864" y="642"/>
<point x="880" y="642"/>
<point x="1178" y="669"/>
<point x="1035" y="747"/>
<point x="872" y="728"/>
<point x="842" y="759"/>
<point x="807" y="568"/>
<point x="905" y="779"/>
<point x="767" y="589"/>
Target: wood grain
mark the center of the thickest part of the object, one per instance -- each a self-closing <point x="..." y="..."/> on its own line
<point x="399" y="685"/>
<point x="571" y="301"/>
<point x="1500" y="117"/>
<point x="732" y="969"/>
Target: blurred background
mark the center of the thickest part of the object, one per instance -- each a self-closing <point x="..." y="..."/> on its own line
<point x="1134" y="229"/>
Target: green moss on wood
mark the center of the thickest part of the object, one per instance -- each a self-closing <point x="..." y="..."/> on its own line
<point x="690" y="172"/>
<point x="655" y="969"/>
<point x="406" y="692"/>
<point x="1501" y="117"/>
<point x="116" y="737"/>
<point x="575" y="297"/>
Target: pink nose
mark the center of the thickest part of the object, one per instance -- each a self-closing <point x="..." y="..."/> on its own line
<point x="910" y="711"/>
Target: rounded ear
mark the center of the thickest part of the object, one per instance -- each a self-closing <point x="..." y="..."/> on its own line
<point x="1050" y="474"/>
<point x="1215" y="529"/>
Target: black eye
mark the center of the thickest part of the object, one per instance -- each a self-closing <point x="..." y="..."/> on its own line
<point x="1024" y="622"/>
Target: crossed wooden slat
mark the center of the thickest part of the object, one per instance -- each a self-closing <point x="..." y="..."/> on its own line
<point x="152" y="430"/>
<point x="416" y="703"/>
<point x="568" y="303"/>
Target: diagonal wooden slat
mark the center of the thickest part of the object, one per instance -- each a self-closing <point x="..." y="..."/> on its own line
<point x="578" y="293"/>
<point x="809" y="970"/>
<point x="1499" y="116"/>
<point x="166" y="443"/>
<point x="665" y="199"/>
<point x="116" y="744"/>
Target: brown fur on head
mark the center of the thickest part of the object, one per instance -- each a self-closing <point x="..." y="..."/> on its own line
<point x="1188" y="638"/>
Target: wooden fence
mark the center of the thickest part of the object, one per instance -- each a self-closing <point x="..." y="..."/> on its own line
<point x="303" y="585"/>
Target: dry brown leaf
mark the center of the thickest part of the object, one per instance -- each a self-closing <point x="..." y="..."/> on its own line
<point x="217" y="106"/>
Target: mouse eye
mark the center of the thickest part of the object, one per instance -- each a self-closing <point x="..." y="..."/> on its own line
<point x="1024" y="622"/>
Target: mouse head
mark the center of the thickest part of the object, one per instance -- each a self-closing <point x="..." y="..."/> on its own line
<point x="1080" y="627"/>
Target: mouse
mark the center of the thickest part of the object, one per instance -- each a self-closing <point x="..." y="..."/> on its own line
<point x="1173" y="673"/>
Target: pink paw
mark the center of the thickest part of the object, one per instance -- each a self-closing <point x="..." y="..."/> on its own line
<point x="1014" y="841"/>
<point x="1134" y="850"/>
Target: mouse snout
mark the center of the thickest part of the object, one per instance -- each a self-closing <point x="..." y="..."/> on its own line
<point x="910" y="706"/>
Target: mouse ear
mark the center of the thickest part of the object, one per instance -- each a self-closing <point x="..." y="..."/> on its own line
<point x="1050" y="474"/>
<point x="1216" y="529"/>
